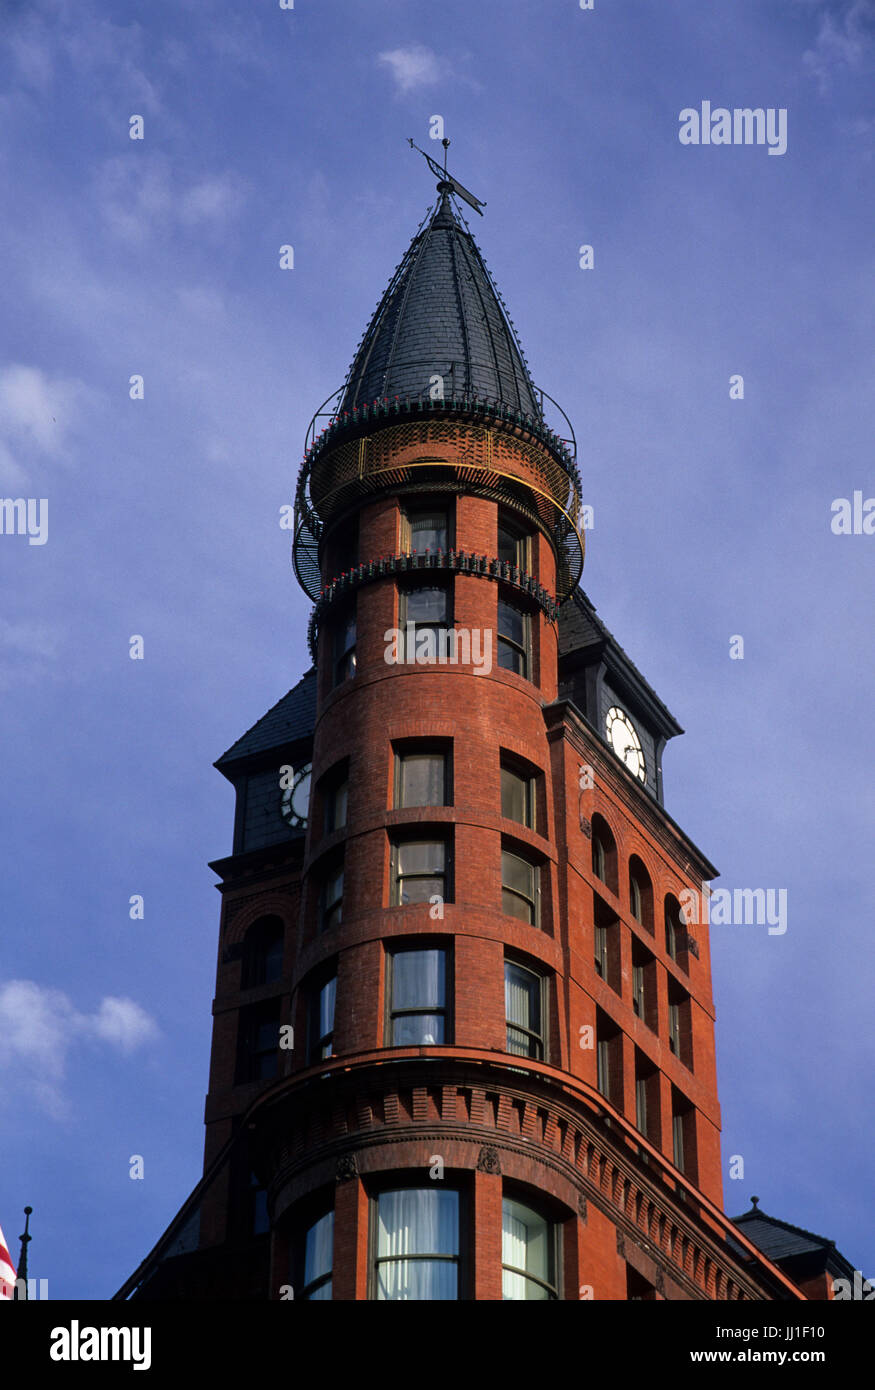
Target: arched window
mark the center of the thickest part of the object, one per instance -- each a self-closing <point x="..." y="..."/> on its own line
<point x="604" y="853"/>
<point x="640" y="894"/>
<point x="263" y="952"/>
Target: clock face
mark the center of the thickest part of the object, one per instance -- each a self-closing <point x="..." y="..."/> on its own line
<point x="296" y="799"/>
<point x="623" y="738"/>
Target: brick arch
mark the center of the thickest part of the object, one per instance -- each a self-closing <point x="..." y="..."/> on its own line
<point x="268" y="905"/>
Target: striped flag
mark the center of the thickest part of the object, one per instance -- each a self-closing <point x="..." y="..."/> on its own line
<point x="7" y="1269"/>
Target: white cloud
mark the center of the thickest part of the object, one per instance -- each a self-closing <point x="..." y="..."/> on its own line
<point x="842" y="41"/>
<point x="36" y="408"/>
<point x="40" y="1029"/>
<point x="136" y="197"/>
<point x="413" y="66"/>
<point x="213" y="199"/>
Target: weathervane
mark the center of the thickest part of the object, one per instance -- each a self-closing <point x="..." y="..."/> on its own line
<point x="443" y="177"/>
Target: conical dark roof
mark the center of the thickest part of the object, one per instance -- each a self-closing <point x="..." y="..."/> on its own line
<point x="441" y="316"/>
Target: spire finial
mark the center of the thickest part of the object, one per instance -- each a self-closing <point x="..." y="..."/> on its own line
<point x="21" y="1278"/>
<point x="754" y="1201"/>
<point x="446" y="182"/>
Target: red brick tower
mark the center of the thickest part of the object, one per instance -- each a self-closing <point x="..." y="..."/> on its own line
<point x="454" y="894"/>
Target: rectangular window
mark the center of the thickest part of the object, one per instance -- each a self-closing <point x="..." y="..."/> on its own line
<point x="513" y="638"/>
<point x="336" y="800"/>
<point x="424" y="616"/>
<point x="674" y="1028"/>
<point x="258" y="1042"/>
<point x="609" y="1059"/>
<point x="513" y="543"/>
<point x="424" y="531"/>
<point x="419" y="871"/>
<point x="606" y="944"/>
<point x="421" y="778"/>
<point x="518" y="797"/>
<point x="322" y="1020"/>
<point x="332" y="898"/>
<point x="528" y="1253"/>
<point x="647" y="1098"/>
<point x="641" y="1104"/>
<point x="417" y="995"/>
<point x="524" y="1011"/>
<point x="318" y="1259"/>
<point x="677" y="1134"/>
<point x="344" y="649"/>
<point x="519" y="888"/>
<point x="417" y="1244"/>
<point x="601" y="951"/>
<point x="638" y="990"/>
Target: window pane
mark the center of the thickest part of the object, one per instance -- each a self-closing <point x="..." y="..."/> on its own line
<point x="344" y="636"/>
<point x="426" y="605"/>
<point x="515" y="797"/>
<point x="511" y="623"/>
<point x="337" y="814"/>
<point x="418" y="1030"/>
<point x="422" y="779"/>
<point x="418" y="1221"/>
<point x="517" y="874"/>
<point x="418" y="980"/>
<point x="509" y="545"/>
<point x="510" y="659"/>
<point x="522" y="995"/>
<point x="426" y="531"/>
<point x="421" y="857"/>
<point x="517" y="907"/>
<point x="411" y="1223"/>
<point x="526" y="1245"/>
<point x="319" y="1251"/>
<point x="327" y="996"/>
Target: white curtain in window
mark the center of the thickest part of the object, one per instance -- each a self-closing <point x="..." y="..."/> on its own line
<point x="525" y="1244"/>
<point x="327" y="996"/>
<point x="319" y="1252"/>
<point x="418" y="1221"/>
<point x="418" y="980"/>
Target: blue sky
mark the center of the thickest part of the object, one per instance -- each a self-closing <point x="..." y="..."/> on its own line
<point x="160" y="257"/>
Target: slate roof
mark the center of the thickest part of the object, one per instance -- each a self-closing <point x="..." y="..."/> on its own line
<point x="580" y="627"/>
<point x="441" y="314"/>
<point x="777" y="1239"/>
<point x="291" y="718"/>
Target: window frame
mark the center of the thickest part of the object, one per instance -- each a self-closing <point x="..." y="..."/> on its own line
<point x="530" y="783"/>
<point x="255" y="956"/>
<point x="251" y="1019"/>
<point x="345" y="656"/>
<point x="436" y="835"/>
<point x="444" y="624"/>
<point x="542" y="1038"/>
<point x="554" y="1247"/>
<point x="445" y="1011"/>
<point x="520" y="537"/>
<point x="523" y="651"/>
<point x="316" y="1041"/>
<point x="329" y="906"/>
<point x="460" y="1258"/>
<point x="405" y="529"/>
<point x="305" y="1293"/>
<point x="535" y="901"/>
<point x="408" y="751"/>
